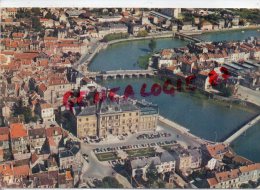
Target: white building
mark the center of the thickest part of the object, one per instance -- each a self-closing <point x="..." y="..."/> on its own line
<point x="164" y="63"/>
<point x="47" y="112"/>
<point x="211" y="164"/>
<point x="109" y="18"/>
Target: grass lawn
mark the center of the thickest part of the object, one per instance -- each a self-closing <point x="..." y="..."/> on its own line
<point x="141" y="152"/>
<point x="107" y="156"/>
<point x="167" y="147"/>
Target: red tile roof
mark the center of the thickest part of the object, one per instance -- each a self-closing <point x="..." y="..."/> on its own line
<point x="6" y="169"/>
<point x="30" y="55"/>
<point x="215" y="150"/>
<point x="42" y="87"/>
<point x="227" y="175"/>
<point x="212" y="181"/>
<point x="53" y="131"/>
<point x="23" y="170"/>
<point x="250" y="167"/>
<point x="4" y="133"/>
<point x="17" y="130"/>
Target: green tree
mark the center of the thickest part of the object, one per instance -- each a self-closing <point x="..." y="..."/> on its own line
<point x="110" y="182"/>
<point x="227" y="91"/>
<point x="152" y="45"/>
<point x="152" y="174"/>
<point x="19" y="109"/>
<point x="142" y="33"/>
<point x="245" y="186"/>
<point x="161" y="185"/>
<point x="48" y="15"/>
<point x="36" y="11"/>
<point x="115" y="36"/>
<point x="36" y="24"/>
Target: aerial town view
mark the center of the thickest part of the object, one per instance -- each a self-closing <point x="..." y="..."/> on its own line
<point x="129" y="98"/>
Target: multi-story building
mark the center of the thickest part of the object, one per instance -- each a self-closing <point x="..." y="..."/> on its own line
<point x="196" y="158"/>
<point x="149" y="114"/>
<point x="138" y="167"/>
<point x="171" y="12"/>
<point x="37" y="138"/>
<point x="249" y="172"/>
<point x="183" y="158"/>
<point x="55" y="133"/>
<point x="234" y="178"/>
<point x="70" y="157"/>
<point x="87" y="122"/>
<point x="19" y="138"/>
<point x="4" y="138"/>
<point x="116" y="118"/>
<point x="47" y="112"/>
<point x="112" y="29"/>
<point x="168" y="162"/>
<point x="227" y="179"/>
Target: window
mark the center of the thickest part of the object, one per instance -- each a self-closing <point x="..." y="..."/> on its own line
<point x="130" y="114"/>
<point x="136" y="113"/>
<point x="86" y="119"/>
<point x="123" y="115"/>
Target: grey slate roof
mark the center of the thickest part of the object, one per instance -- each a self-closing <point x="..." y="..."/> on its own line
<point x="167" y="157"/>
<point x="140" y="163"/>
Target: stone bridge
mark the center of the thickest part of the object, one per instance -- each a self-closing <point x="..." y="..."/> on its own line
<point x="188" y="37"/>
<point x="120" y="74"/>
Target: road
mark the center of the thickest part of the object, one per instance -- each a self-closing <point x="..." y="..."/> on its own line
<point x="248" y="95"/>
<point x="98" y="169"/>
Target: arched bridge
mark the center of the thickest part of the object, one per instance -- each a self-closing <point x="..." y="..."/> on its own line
<point x="120" y="74"/>
<point x="184" y="36"/>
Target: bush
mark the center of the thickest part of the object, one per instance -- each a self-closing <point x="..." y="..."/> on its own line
<point x="110" y="182"/>
<point x="115" y="36"/>
<point x="143" y="61"/>
<point x="142" y="33"/>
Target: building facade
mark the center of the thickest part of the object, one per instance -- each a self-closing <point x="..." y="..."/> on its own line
<point x="116" y="119"/>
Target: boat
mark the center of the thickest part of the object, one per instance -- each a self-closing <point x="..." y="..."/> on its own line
<point x="243" y="31"/>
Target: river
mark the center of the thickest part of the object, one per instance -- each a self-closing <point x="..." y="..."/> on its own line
<point x="205" y="118"/>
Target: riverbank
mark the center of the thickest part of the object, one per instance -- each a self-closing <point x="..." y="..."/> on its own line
<point x="184" y="131"/>
<point x="231" y="29"/>
<point x="169" y="34"/>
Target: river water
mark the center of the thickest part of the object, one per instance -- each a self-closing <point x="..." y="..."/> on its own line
<point x="205" y="118"/>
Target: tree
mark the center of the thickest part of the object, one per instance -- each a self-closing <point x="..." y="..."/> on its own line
<point x="110" y="182"/>
<point x="152" y="45"/>
<point x="19" y="109"/>
<point x="161" y="185"/>
<point x="36" y="11"/>
<point x="245" y="186"/>
<point x="48" y="15"/>
<point x="152" y="173"/>
<point x="142" y="33"/>
<point x="36" y="24"/>
<point x="227" y="91"/>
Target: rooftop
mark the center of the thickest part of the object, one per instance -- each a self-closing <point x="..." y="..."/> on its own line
<point x="17" y="130"/>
